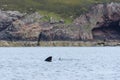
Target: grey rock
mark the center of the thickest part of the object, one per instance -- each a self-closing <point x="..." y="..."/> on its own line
<point x="35" y="17"/>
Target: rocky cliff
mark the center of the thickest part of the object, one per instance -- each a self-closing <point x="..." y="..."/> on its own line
<point x="16" y="26"/>
<point x="100" y="20"/>
<point x="13" y="26"/>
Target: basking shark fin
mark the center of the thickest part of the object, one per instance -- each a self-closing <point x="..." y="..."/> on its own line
<point x="49" y="59"/>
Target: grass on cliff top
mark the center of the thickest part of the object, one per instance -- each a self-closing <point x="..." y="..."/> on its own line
<point x="47" y="15"/>
<point x="65" y="8"/>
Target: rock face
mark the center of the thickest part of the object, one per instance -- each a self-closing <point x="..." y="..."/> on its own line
<point x="6" y="23"/>
<point x="102" y="21"/>
<point x="15" y="26"/>
<point x="100" y="16"/>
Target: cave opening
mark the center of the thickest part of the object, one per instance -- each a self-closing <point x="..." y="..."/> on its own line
<point x="110" y="31"/>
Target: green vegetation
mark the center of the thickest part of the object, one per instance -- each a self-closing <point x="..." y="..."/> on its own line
<point x="64" y="8"/>
<point x="47" y="15"/>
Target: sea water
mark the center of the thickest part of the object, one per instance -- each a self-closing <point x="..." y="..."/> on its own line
<point x="69" y="63"/>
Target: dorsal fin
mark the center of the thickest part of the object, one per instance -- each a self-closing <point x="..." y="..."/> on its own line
<point x="49" y="59"/>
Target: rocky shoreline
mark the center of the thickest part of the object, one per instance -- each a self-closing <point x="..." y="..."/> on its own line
<point x="102" y="23"/>
<point x="60" y="43"/>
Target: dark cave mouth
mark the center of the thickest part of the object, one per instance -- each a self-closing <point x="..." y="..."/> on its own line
<point x="109" y="32"/>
